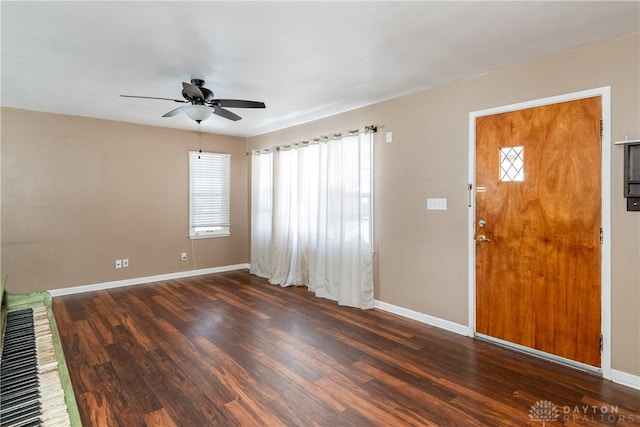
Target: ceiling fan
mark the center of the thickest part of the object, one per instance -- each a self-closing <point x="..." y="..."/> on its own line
<point x="203" y="104"/>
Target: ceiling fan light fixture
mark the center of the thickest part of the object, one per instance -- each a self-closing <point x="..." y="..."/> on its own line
<point x="199" y="103"/>
<point x="197" y="112"/>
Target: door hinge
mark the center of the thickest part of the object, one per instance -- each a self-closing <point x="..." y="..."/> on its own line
<point x="469" y="196"/>
<point x="601" y="235"/>
<point x="601" y="343"/>
<point x="601" y="129"/>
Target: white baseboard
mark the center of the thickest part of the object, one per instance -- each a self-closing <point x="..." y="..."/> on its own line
<point x="141" y="280"/>
<point x="620" y="377"/>
<point x="625" y="379"/>
<point x="424" y="318"/>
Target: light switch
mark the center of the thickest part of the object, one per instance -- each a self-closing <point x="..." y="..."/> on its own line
<point x="437" y="204"/>
<point x="389" y="136"/>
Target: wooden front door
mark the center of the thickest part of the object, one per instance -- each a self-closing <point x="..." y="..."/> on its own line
<point x="537" y="228"/>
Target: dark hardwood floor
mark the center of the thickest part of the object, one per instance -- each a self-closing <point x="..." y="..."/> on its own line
<point x="230" y="349"/>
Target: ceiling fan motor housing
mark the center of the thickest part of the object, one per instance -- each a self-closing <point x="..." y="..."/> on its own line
<point x="206" y="93"/>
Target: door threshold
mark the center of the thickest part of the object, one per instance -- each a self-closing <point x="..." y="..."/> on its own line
<point x="541" y="354"/>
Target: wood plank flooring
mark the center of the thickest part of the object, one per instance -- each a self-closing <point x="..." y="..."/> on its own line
<point x="230" y="349"/>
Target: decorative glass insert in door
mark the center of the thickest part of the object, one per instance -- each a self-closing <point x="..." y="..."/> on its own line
<point x="512" y="164"/>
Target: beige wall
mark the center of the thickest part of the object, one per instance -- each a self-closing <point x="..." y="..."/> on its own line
<point x="79" y="193"/>
<point x="422" y="256"/>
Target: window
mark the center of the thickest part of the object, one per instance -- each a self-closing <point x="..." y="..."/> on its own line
<point x="209" y="194"/>
<point x="312" y="217"/>
<point x="512" y="164"/>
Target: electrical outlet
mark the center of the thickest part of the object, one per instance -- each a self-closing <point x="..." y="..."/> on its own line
<point x="125" y="263"/>
<point x="183" y="256"/>
<point x="118" y="263"/>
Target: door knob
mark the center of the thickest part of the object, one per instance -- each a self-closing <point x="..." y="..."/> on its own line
<point x="482" y="238"/>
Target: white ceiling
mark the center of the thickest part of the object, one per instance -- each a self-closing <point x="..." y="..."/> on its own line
<point x="305" y="60"/>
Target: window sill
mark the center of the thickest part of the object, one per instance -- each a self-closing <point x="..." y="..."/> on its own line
<point x="208" y="236"/>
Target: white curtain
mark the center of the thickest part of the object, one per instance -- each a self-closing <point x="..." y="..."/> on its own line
<point x="261" y="213"/>
<point x="312" y="224"/>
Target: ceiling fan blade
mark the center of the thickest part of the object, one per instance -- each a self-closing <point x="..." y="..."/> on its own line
<point x="192" y="91"/>
<point x="174" y="112"/>
<point x="153" y="97"/>
<point x="238" y="103"/>
<point x="225" y="113"/>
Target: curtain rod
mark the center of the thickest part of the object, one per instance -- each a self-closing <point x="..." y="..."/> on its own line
<point x="319" y="139"/>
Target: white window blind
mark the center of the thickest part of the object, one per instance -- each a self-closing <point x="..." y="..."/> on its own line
<point x="209" y="185"/>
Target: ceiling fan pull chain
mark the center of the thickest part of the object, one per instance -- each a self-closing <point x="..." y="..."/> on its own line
<point x="199" y="139"/>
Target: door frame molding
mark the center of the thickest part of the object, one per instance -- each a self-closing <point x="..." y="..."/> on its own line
<point x="605" y="94"/>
